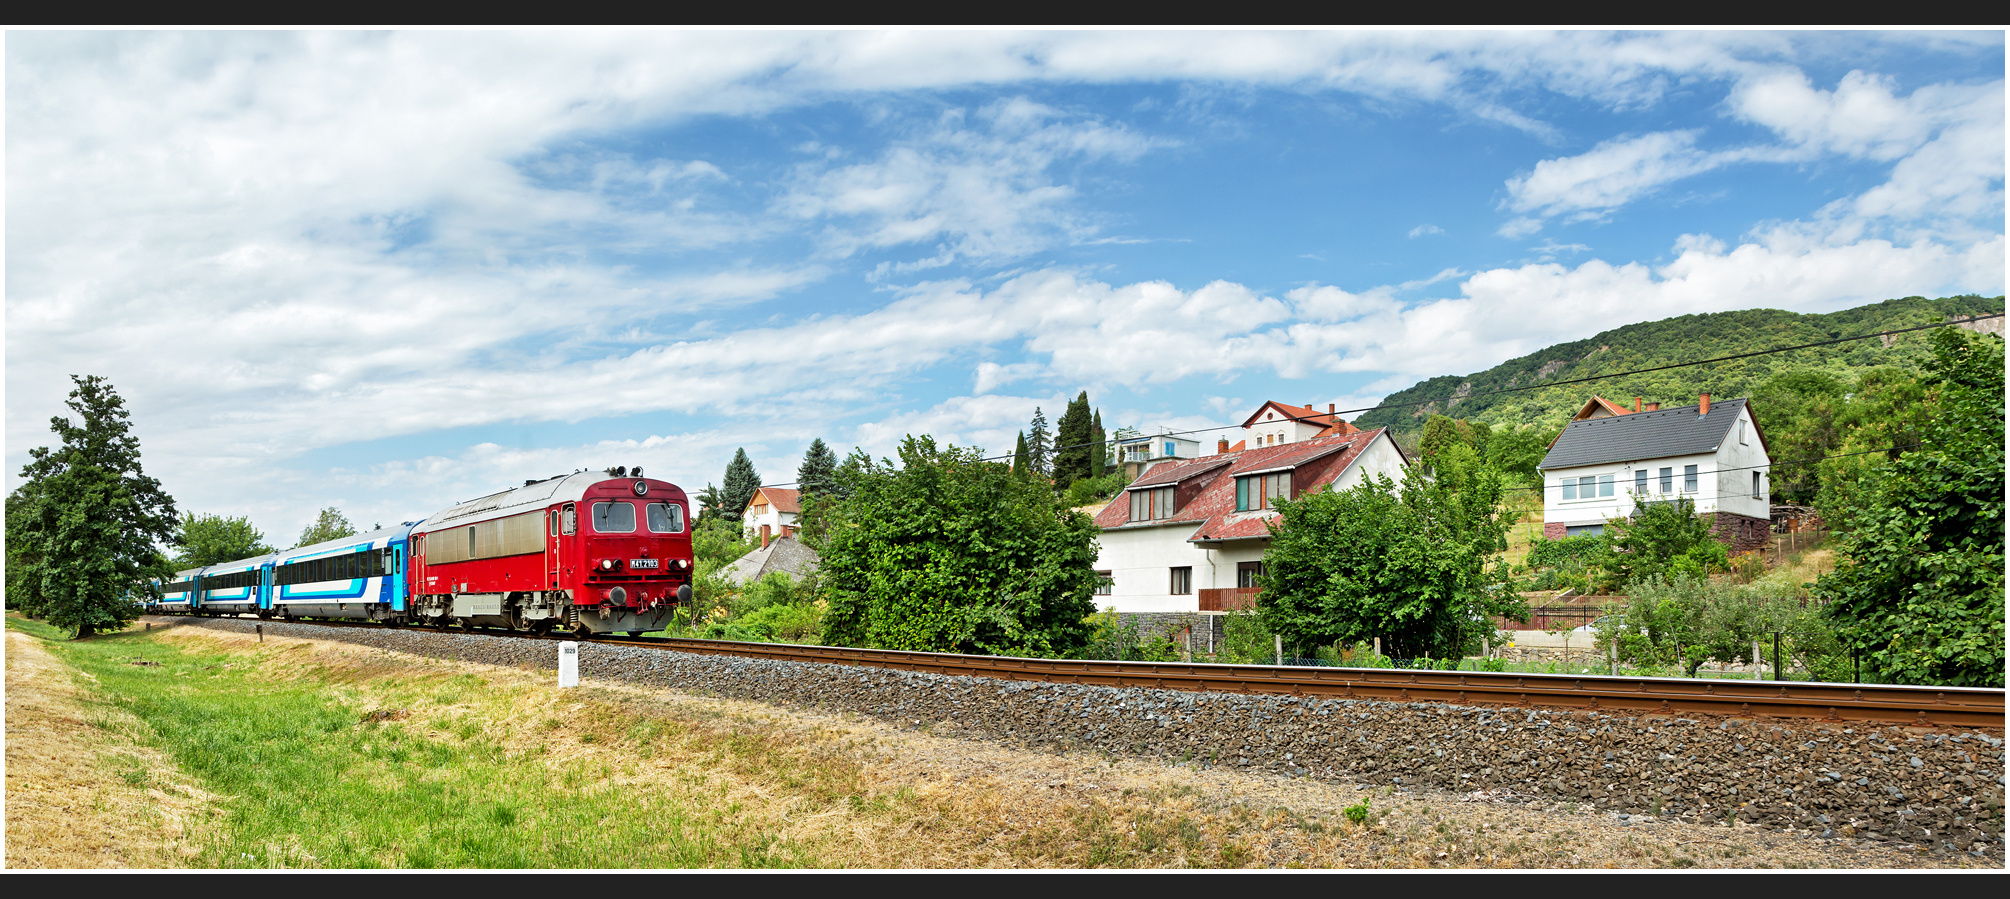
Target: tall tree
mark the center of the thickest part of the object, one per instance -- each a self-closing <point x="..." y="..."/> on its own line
<point x="948" y="553"/>
<point x="741" y="482"/>
<point x="814" y="477"/>
<point x="1919" y="595"/>
<point x="209" y="539"/>
<point x="95" y="524"/>
<point x="1039" y="444"/>
<point x="711" y="505"/>
<point x="1071" y="442"/>
<point x="1019" y="455"/>
<point x="1099" y="449"/>
<point x="330" y="524"/>
<point x="1417" y="565"/>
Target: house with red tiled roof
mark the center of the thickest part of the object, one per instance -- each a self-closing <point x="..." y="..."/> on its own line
<point x="1278" y="423"/>
<point x="1189" y="535"/>
<point x="772" y="513"/>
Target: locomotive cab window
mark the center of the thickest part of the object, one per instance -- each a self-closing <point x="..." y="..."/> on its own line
<point x="571" y="519"/>
<point x="613" y="518"/>
<point x="666" y="518"/>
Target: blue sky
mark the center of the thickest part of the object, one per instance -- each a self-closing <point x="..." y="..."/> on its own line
<point x="386" y="272"/>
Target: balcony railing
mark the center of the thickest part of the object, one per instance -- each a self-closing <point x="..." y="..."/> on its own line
<point x="1228" y="599"/>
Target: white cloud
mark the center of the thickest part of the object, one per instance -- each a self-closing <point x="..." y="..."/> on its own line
<point x="1422" y="230"/>
<point x="986" y="193"/>
<point x="1612" y="174"/>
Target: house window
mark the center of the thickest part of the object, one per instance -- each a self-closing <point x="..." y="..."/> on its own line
<point x="1605" y="485"/>
<point x="1584" y="530"/>
<point x="1169" y="448"/>
<point x="1640" y="481"/>
<point x="1667" y="480"/>
<point x="1104" y="582"/>
<point x="1245" y="574"/>
<point x="1261" y="491"/>
<point x="1151" y="505"/>
<point x="1569" y="488"/>
<point x="1755" y="486"/>
<point x="1182" y="580"/>
<point x="1688" y="479"/>
<point x="1741" y="430"/>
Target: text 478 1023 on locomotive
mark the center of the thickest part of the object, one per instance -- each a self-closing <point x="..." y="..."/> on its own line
<point x="591" y="552"/>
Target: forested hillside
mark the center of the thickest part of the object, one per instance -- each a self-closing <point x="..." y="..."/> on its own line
<point x="1681" y="339"/>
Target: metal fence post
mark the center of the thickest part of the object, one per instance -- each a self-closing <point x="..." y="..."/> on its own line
<point x="1778" y="669"/>
<point x="1280" y="647"/>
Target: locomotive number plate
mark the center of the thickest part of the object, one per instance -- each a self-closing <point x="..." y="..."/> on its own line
<point x="642" y="563"/>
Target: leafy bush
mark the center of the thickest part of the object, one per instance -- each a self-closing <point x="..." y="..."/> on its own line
<point x="1245" y="641"/>
<point x="1358" y="812"/>
<point x="946" y="552"/>
<point x="1663" y="539"/>
<point x="784" y="623"/>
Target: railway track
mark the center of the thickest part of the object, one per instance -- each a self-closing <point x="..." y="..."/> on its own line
<point x="1953" y="707"/>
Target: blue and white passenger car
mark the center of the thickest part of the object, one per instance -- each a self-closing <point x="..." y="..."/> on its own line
<point x="233" y="588"/>
<point x="361" y="576"/>
<point x="177" y="595"/>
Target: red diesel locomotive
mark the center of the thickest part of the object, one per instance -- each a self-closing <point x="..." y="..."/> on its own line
<point x="591" y="552"/>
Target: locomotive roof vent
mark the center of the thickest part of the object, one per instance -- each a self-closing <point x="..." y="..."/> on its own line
<point x="636" y="471"/>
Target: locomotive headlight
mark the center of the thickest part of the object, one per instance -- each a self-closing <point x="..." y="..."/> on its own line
<point x="606" y="564"/>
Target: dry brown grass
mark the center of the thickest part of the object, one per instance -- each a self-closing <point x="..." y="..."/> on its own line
<point x="83" y="791"/>
<point x="844" y="791"/>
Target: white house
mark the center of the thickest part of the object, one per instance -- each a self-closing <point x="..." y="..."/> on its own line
<point x="1609" y="466"/>
<point x="771" y="513"/>
<point x="1139" y="453"/>
<point x="1276" y="423"/>
<point x="1189" y="534"/>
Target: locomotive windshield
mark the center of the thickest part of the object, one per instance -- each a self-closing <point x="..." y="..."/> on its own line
<point x="666" y="518"/>
<point x="613" y="518"/>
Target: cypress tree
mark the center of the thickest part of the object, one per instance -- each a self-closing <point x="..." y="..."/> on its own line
<point x="1019" y="455"/>
<point x="1099" y="450"/>
<point x="1039" y="445"/>
<point x="741" y="482"/>
<point x="818" y="473"/>
<point x="1071" y="442"/>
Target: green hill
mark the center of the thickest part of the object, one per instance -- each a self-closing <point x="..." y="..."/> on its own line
<point x="1681" y="339"/>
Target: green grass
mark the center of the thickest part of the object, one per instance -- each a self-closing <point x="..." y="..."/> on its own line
<point x="313" y="778"/>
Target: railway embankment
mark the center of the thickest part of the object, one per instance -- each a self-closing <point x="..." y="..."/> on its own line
<point x="1939" y="789"/>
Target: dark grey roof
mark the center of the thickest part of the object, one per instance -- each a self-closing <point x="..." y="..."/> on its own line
<point x="784" y="554"/>
<point x="1643" y="435"/>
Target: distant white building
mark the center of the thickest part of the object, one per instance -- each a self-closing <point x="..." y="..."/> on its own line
<point x="1612" y="461"/>
<point x="771" y="513"/>
<point x="1136" y="454"/>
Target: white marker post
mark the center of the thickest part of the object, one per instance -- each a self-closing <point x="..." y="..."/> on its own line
<point x="568" y="664"/>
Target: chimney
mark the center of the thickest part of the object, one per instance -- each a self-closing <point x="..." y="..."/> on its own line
<point x="764" y="536"/>
<point x="1653" y="407"/>
<point x="1636" y="404"/>
<point x="788" y="530"/>
<point x="1332" y="409"/>
<point x="1704" y="406"/>
<point x="1222" y="447"/>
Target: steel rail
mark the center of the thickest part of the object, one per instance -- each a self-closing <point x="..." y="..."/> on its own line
<point x="1957" y="707"/>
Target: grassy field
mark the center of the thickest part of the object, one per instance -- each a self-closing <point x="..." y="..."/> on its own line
<point x="364" y="759"/>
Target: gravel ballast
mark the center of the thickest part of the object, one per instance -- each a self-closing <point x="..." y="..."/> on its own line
<point x="1936" y="789"/>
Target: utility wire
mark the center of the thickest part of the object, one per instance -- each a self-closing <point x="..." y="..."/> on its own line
<point x="1547" y="384"/>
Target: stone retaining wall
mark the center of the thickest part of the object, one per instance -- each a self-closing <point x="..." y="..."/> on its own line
<point x="1940" y="789"/>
